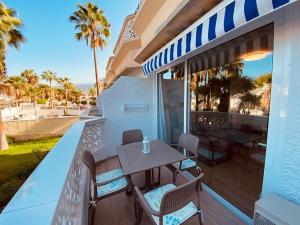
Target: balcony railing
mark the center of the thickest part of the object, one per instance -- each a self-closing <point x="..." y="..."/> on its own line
<point x="56" y="193"/>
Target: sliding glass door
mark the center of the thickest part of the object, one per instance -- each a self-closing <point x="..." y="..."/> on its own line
<point x="230" y="92"/>
<point x="170" y="104"/>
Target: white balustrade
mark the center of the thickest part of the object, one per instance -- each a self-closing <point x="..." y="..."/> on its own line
<point x="57" y="192"/>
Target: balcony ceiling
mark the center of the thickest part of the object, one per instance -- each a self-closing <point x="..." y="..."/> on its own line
<point x="187" y="15"/>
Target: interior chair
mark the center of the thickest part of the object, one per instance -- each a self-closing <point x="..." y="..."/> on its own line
<point x="169" y="204"/>
<point x="190" y="144"/>
<point x="212" y="151"/>
<point x="132" y="136"/>
<point x="103" y="185"/>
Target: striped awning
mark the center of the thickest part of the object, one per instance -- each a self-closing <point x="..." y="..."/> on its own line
<point x="236" y="14"/>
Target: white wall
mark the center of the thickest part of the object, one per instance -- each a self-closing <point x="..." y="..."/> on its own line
<point x="282" y="169"/>
<point x="130" y="91"/>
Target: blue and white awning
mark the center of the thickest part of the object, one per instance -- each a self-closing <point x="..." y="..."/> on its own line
<point x="234" y="15"/>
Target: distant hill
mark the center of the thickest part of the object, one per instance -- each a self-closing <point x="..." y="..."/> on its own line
<point x="84" y="86"/>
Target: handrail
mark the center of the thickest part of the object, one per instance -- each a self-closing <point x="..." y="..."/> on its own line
<point x="57" y="191"/>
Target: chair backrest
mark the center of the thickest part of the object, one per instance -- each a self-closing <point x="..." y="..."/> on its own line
<point x="189" y="142"/>
<point x="131" y="136"/>
<point x="89" y="161"/>
<point x="182" y="195"/>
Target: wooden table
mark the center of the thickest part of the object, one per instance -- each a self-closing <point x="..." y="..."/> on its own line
<point x="133" y="160"/>
<point x="234" y="136"/>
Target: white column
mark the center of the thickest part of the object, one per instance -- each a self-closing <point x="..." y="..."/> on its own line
<point x="282" y="168"/>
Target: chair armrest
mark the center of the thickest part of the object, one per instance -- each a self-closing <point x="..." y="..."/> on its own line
<point x="109" y="181"/>
<point x="144" y="203"/>
<point x="187" y="178"/>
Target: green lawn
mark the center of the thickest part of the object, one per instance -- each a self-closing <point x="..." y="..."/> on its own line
<point x="18" y="162"/>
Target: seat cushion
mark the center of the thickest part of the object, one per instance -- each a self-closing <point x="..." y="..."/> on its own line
<point x="154" y="198"/>
<point x="107" y="176"/>
<point x="206" y="153"/>
<point x="188" y="163"/>
<point x="112" y="187"/>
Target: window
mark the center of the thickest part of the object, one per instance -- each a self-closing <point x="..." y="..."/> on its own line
<point x="230" y="92"/>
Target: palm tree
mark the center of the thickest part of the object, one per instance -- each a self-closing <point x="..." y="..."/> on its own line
<point x="16" y="84"/>
<point x="92" y="92"/>
<point x="10" y="34"/>
<point x="93" y="27"/>
<point x="75" y="95"/>
<point x="67" y="85"/>
<point x="44" y="91"/>
<point x="33" y="93"/>
<point x="31" y="77"/>
<point x="49" y="76"/>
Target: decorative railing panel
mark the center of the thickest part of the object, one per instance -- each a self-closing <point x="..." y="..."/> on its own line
<point x="73" y="203"/>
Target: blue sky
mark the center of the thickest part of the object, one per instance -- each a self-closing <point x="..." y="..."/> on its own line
<point x="259" y="67"/>
<point x="50" y="38"/>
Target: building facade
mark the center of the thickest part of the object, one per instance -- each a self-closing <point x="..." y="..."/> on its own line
<point x="225" y="71"/>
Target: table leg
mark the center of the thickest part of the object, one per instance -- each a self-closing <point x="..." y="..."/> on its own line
<point x="130" y="191"/>
<point x="148" y="180"/>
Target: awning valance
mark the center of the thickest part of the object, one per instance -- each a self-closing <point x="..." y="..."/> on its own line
<point x="235" y="14"/>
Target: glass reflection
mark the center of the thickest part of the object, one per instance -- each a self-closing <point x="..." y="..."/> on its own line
<point x="230" y="92"/>
<point x="170" y="104"/>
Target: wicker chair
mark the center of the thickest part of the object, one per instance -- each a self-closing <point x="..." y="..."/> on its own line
<point x="190" y="143"/>
<point x="170" y="204"/>
<point x="103" y="185"/>
<point x="131" y="136"/>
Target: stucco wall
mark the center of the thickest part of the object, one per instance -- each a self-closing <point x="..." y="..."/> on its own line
<point x="165" y="11"/>
<point x="41" y="128"/>
<point x="282" y="169"/>
<point x="130" y="91"/>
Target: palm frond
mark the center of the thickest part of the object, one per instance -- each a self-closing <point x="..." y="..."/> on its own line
<point x="91" y="24"/>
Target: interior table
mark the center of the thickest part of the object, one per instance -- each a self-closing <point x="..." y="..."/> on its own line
<point x="133" y="160"/>
<point x="234" y="136"/>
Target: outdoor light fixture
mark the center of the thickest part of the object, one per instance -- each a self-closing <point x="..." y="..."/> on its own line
<point x="254" y="56"/>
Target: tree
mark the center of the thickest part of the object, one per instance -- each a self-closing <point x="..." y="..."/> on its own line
<point x="92" y="92"/>
<point x="3" y="141"/>
<point x="67" y="85"/>
<point x="44" y="91"/>
<point x="49" y="76"/>
<point x="33" y="93"/>
<point x="93" y="27"/>
<point x="75" y="94"/>
<point x="17" y="85"/>
<point x="10" y="34"/>
<point x="31" y="77"/>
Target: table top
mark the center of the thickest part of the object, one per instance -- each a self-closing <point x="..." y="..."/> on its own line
<point x="235" y="136"/>
<point x="133" y="160"/>
<point x="104" y="153"/>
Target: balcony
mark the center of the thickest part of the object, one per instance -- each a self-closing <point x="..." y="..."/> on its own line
<point x="57" y="192"/>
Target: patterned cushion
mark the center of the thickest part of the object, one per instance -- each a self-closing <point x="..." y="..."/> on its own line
<point x="154" y="199"/>
<point x="188" y="163"/>
<point x="111" y="187"/>
<point x="107" y="176"/>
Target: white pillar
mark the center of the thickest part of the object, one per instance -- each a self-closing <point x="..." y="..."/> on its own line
<point x="282" y="168"/>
